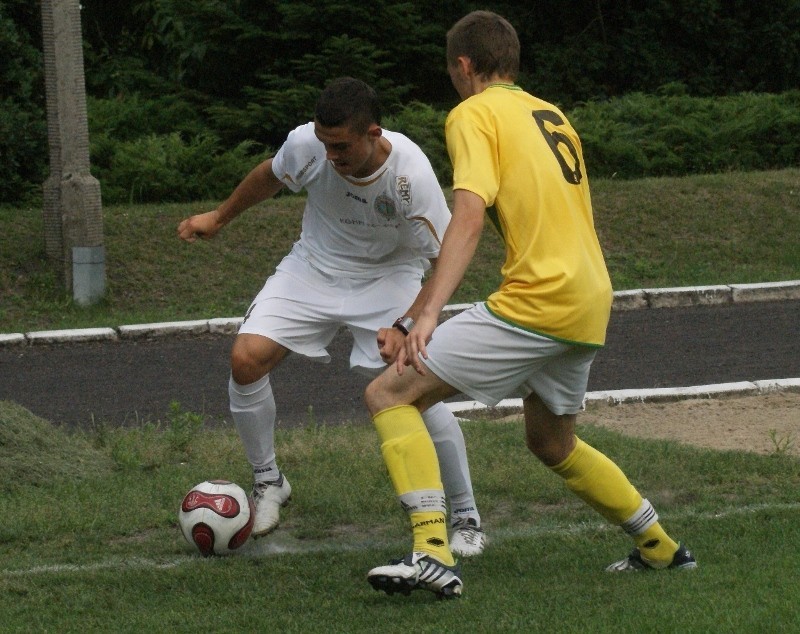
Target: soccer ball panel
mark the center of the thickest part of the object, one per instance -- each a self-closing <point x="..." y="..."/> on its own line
<point x="216" y="517"/>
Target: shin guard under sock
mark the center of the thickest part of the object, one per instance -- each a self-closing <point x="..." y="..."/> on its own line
<point x="413" y="466"/>
<point x="594" y="478"/>
<point x="253" y="410"/>
<point x="453" y="464"/>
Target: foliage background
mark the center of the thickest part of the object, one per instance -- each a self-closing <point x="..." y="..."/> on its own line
<point x="185" y="96"/>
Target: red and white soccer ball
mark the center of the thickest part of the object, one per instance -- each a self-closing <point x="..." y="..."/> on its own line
<point x="217" y="517"/>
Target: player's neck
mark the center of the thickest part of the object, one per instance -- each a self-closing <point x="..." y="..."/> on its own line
<point x="482" y="83"/>
<point x="381" y="152"/>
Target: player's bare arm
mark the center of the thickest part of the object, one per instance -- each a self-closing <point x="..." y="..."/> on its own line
<point x="458" y="247"/>
<point x="391" y="339"/>
<point x="260" y="184"/>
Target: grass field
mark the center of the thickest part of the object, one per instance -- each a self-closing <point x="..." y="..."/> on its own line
<point x="89" y="539"/>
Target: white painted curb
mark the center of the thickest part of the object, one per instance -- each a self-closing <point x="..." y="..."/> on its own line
<point x="623" y="300"/>
<point x="143" y="331"/>
<point x="655" y="395"/>
<point x="71" y="336"/>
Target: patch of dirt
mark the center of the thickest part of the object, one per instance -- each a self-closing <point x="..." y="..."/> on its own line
<point x="765" y="423"/>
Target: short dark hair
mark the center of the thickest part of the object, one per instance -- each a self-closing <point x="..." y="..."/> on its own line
<point x="348" y="101"/>
<point x="490" y="42"/>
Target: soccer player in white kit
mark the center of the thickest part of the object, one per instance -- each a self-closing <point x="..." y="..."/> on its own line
<point x="372" y="225"/>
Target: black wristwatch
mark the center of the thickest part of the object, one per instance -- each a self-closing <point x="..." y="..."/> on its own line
<point x="403" y="324"/>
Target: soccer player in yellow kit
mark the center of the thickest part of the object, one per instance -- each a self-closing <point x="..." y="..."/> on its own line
<point x="535" y="337"/>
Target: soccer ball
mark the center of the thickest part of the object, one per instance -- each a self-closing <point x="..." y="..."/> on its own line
<point x="217" y="517"/>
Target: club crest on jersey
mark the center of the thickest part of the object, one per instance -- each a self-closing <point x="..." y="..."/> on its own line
<point x="385" y="207"/>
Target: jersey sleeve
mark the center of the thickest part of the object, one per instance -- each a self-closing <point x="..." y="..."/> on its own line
<point x="473" y="154"/>
<point x="424" y="206"/>
<point x="297" y="157"/>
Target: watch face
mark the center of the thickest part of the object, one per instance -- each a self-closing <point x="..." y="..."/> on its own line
<point x="404" y="324"/>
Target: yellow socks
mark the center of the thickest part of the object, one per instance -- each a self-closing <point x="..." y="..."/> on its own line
<point x="655" y="546"/>
<point x="602" y="484"/>
<point x="410" y="457"/>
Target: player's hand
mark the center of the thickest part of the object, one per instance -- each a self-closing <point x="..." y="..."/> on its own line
<point x="204" y="226"/>
<point x="415" y="346"/>
<point x="390" y="342"/>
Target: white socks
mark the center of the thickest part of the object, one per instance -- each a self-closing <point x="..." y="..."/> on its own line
<point x="253" y="410"/>
<point x="452" y="453"/>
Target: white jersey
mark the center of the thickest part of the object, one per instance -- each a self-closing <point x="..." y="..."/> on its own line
<point x="394" y="219"/>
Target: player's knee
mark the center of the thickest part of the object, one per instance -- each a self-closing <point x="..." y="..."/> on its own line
<point x="550" y="448"/>
<point x="372" y="397"/>
<point x="246" y="367"/>
<point x="379" y="396"/>
<point x="545" y="449"/>
<point x="253" y="357"/>
<point x="548" y="436"/>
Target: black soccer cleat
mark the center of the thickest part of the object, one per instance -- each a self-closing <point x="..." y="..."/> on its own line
<point x="681" y="560"/>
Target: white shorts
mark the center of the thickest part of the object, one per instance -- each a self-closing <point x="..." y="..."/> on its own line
<point x="489" y="360"/>
<point x="302" y="308"/>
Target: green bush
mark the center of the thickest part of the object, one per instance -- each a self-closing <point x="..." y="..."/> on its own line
<point x="162" y="151"/>
<point x="23" y="150"/>
<point x="169" y="168"/>
<point x="23" y="128"/>
<point x="425" y="126"/>
<point x="677" y="135"/>
<point x="135" y="116"/>
<point x="670" y="134"/>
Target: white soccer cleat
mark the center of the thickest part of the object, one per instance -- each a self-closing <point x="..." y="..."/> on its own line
<point x="467" y="539"/>
<point x="417" y="571"/>
<point x="268" y="498"/>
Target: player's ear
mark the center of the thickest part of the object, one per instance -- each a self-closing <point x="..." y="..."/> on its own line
<point x="465" y="65"/>
<point x="375" y="131"/>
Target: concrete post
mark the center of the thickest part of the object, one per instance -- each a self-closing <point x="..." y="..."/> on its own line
<point x="73" y="218"/>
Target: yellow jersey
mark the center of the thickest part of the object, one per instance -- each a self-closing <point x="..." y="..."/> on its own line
<point x="521" y="155"/>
